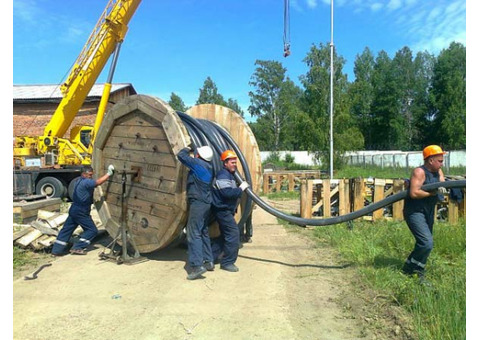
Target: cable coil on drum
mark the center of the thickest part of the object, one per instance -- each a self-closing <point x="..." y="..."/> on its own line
<point x="144" y="134"/>
<point x="213" y="135"/>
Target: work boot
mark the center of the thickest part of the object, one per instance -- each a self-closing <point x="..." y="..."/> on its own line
<point x="196" y="272"/>
<point x="407" y="270"/>
<point x="229" y="267"/>
<point x="209" y="266"/>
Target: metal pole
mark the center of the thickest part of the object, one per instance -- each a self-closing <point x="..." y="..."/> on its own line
<point x="331" y="88"/>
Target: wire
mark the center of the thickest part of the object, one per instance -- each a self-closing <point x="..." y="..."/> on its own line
<point x="205" y="132"/>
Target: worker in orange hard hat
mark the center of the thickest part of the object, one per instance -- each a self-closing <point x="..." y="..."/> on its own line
<point x="419" y="209"/>
<point x="432" y="150"/>
<point x="226" y="196"/>
<point x="228" y="154"/>
<point x="245" y="231"/>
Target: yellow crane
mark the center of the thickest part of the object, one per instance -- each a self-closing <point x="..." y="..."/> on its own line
<point x="57" y="151"/>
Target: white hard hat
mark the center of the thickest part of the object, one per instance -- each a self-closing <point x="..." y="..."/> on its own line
<point x="205" y="152"/>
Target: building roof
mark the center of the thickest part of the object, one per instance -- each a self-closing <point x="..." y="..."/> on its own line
<point x="53" y="93"/>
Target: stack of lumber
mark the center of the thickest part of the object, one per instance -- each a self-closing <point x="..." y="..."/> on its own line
<point x="26" y="209"/>
<point x="42" y="233"/>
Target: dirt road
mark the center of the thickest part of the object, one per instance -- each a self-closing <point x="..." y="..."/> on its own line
<point x="286" y="289"/>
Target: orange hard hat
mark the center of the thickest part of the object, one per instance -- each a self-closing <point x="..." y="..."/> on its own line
<point x="432" y="150"/>
<point x="228" y="154"/>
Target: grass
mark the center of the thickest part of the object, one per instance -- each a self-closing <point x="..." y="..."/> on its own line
<point x="374" y="171"/>
<point x="20" y="257"/>
<point x="379" y="249"/>
<point x="284" y="195"/>
<point x="379" y="172"/>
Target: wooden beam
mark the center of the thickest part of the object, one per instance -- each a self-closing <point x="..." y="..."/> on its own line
<point x="326" y="198"/>
<point x="397" y="207"/>
<point x="291" y="182"/>
<point x="306" y="193"/>
<point x="378" y="195"/>
<point x="343" y="197"/>
<point x="452" y="211"/>
<point x="358" y="194"/>
<point x="266" y="184"/>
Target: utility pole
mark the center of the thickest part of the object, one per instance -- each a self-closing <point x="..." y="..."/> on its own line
<point x="331" y="89"/>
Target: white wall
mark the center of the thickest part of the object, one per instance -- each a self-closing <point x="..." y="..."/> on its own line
<point x="388" y="158"/>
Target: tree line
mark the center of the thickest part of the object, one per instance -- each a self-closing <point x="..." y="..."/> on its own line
<point x="400" y="103"/>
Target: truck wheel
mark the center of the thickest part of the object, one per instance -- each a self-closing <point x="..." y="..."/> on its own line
<point x="71" y="186"/>
<point x="51" y="187"/>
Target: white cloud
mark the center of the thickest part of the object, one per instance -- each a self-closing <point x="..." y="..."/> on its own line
<point x="394" y="4"/>
<point x="428" y="24"/>
<point x="25" y="10"/>
<point x="376" y="6"/>
<point x="312" y="3"/>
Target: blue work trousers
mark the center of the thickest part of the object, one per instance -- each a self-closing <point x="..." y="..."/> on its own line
<point x="77" y="215"/>
<point x="229" y="241"/>
<point x="198" y="239"/>
<point x="422" y="230"/>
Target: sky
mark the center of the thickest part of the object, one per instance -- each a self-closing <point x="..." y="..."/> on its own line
<point x="174" y="45"/>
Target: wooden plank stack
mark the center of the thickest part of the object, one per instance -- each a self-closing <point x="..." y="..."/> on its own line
<point x="26" y="211"/>
<point x="42" y="232"/>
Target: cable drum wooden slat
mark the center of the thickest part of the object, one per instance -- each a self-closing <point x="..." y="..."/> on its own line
<point x="144" y="133"/>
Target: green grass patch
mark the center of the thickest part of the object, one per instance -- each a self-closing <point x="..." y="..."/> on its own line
<point x="386" y="172"/>
<point x="20" y="257"/>
<point x="379" y="250"/>
<point x="348" y="171"/>
<point x="284" y="195"/>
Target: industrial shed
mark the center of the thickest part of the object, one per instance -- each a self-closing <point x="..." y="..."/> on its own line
<point x="33" y="106"/>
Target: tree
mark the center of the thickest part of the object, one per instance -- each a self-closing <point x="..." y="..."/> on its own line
<point x="209" y="94"/>
<point x="449" y="97"/>
<point x="361" y="94"/>
<point x="316" y="103"/>
<point x="422" y="104"/>
<point x="271" y="101"/>
<point x="177" y="103"/>
<point x="233" y="104"/>
<point x="403" y="124"/>
<point x="385" y="104"/>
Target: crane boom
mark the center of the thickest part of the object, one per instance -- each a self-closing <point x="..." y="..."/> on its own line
<point x="110" y="29"/>
<point x="49" y="164"/>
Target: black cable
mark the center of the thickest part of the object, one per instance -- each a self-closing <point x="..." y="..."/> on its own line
<point x="220" y="140"/>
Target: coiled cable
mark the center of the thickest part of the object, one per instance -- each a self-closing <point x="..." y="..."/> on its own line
<point x="205" y="132"/>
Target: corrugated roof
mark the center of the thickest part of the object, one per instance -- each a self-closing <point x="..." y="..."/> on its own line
<point x="38" y="92"/>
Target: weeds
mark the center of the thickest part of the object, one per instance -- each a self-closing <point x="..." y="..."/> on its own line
<point x="379" y="250"/>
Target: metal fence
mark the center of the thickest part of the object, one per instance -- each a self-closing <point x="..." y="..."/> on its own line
<point x="390" y="158"/>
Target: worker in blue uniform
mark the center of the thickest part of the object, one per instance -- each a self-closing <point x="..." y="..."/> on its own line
<point x="79" y="214"/>
<point x="419" y="209"/>
<point x="226" y="196"/>
<point x="199" y="194"/>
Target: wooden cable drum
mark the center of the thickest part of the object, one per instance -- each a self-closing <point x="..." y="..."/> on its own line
<point x="143" y="134"/>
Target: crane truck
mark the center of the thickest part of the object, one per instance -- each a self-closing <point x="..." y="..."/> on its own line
<point x="61" y="158"/>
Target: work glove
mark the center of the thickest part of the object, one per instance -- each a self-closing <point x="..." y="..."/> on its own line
<point x="441" y="191"/>
<point x="244" y="185"/>
<point x="111" y="170"/>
